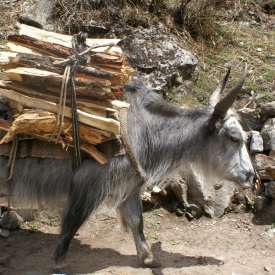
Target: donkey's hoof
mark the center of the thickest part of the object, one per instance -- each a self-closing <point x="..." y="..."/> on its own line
<point x="59" y="266"/>
<point x="149" y="261"/>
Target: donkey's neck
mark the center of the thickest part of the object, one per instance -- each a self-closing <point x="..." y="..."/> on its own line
<point x="164" y="136"/>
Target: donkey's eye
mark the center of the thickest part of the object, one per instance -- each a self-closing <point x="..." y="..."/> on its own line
<point x="234" y="139"/>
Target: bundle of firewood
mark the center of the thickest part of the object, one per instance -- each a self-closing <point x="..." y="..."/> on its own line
<point x="33" y="65"/>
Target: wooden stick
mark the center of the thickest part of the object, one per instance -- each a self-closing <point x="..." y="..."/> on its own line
<point x="43" y="123"/>
<point x="65" y="40"/>
<point x="96" y="154"/>
<point x="48" y="77"/>
<point x="106" y="124"/>
<point x="16" y="48"/>
<point x="101" y="108"/>
<point x="41" y="46"/>
<point x="11" y="60"/>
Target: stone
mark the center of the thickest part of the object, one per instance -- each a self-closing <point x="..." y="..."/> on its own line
<point x="259" y="49"/>
<point x="256" y="142"/>
<point x="271" y="171"/>
<point x="265" y="166"/>
<point x="159" y="59"/>
<point x="268" y="5"/>
<point x="10" y="220"/>
<point x="270" y="233"/>
<point x="5" y="260"/>
<point x="267" y="110"/>
<point x="201" y="193"/>
<point x="238" y="209"/>
<point x="4" y="233"/>
<point x="268" y="134"/>
<point x="251" y="118"/>
<point x="223" y="197"/>
<point x="269" y="188"/>
<point x="212" y="195"/>
<point x="260" y="203"/>
<point x="38" y="12"/>
<point x="272" y="154"/>
<point x="95" y="28"/>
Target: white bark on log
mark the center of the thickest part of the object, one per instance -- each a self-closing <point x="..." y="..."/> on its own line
<point x="66" y="40"/>
<point x="106" y="124"/>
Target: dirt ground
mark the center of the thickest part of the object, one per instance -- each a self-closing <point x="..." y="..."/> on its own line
<point x="231" y="245"/>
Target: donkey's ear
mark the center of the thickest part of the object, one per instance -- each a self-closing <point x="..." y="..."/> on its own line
<point x="224" y="104"/>
<point x="215" y="97"/>
<point x="215" y="123"/>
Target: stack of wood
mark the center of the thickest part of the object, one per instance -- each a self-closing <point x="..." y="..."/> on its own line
<point x="32" y="65"/>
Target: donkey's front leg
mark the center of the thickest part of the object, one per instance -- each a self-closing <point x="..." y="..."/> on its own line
<point x="131" y="215"/>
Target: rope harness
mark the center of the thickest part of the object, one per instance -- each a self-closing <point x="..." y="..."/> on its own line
<point x="123" y="118"/>
<point x="68" y="82"/>
<point x="79" y="57"/>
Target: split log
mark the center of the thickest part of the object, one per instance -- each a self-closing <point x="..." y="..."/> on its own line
<point x="11" y="60"/>
<point x="56" y="50"/>
<point x="91" y="88"/>
<point x="96" y="154"/>
<point x="42" y="125"/>
<point x="34" y="61"/>
<point x="13" y="47"/>
<point x="120" y="73"/>
<point x="117" y="104"/>
<point x="65" y="40"/>
<point x="100" y="108"/>
<point x="34" y="76"/>
<point x="106" y="124"/>
<point x="40" y="46"/>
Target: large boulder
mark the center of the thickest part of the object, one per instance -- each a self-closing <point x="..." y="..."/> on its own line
<point x="159" y="58"/>
<point x="252" y="118"/>
<point x="265" y="166"/>
<point x="39" y="13"/>
<point x="256" y="142"/>
<point x="214" y="196"/>
<point x="195" y="194"/>
<point x="268" y="134"/>
<point x="268" y="5"/>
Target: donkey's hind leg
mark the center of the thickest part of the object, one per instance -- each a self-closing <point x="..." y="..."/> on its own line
<point x="131" y="215"/>
<point x="85" y="197"/>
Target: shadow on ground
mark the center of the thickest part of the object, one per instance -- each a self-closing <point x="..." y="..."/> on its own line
<point x="266" y="216"/>
<point x="28" y="252"/>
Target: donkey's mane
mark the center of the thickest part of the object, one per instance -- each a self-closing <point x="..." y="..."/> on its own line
<point x="140" y="96"/>
<point x="161" y="131"/>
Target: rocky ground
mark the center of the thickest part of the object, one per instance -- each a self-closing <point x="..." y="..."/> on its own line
<point x="183" y="61"/>
<point x="234" y="244"/>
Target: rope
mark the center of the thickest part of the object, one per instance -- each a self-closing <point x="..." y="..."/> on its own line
<point x="123" y="118"/>
<point x="61" y="105"/>
<point x="75" y="126"/>
<point x="68" y="82"/>
<point x="11" y="165"/>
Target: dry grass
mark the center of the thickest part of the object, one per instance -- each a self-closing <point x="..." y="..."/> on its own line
<point x="254" y="44"/>
<point x="8" y="17"/>
<point x="218" y="26"/>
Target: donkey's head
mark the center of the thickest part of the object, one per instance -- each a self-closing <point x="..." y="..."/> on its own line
<point x="227" y="142"/>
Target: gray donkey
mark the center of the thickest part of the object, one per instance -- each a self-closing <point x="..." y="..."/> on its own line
<point x="164" y="138"/>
